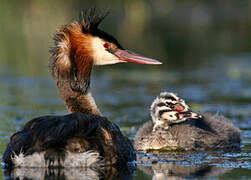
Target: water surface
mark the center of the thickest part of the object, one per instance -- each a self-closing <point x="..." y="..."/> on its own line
<point x="126" y="100"/>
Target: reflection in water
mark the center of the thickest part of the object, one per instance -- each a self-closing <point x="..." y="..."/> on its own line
<point x="70" y="173"/>
<point x="163" y="171"/>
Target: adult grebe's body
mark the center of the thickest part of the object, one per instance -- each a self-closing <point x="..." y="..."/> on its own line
<point x="83" y="138"/>
<point x="176" y="127"/>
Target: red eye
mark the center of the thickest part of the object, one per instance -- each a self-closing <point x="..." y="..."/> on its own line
<point x="179" y="108"/>
<point x="106" y="45"/>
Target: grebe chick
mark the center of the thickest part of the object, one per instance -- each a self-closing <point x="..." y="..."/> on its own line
<point x="175" y="127"/>
<point x="83" y="138"/>
<point x="168" y="109"/>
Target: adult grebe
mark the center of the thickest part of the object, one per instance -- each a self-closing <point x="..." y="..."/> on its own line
<point x="175" y="126"/>
<point x="83" y="138"/>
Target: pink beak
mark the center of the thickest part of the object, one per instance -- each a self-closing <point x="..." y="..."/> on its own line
<point x="128" y="56"/>
<point x="189" y="115"/>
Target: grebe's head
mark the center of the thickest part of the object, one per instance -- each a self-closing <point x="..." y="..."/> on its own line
<point x="81" y="44"/>
<point x="105" y="49"/>
<point x="169" y="108"/>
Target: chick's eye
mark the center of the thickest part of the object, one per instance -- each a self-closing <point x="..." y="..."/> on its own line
<point x="106" y="45"/>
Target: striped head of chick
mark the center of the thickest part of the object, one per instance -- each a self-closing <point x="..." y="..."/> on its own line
<point x="168" y="108"/>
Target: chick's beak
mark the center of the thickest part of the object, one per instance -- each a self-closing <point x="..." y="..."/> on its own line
<point x="125" y="55"/>
<point x="189" y="115"/>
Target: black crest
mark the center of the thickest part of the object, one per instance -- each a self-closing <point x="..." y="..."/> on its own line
<point x="91" y="18"/>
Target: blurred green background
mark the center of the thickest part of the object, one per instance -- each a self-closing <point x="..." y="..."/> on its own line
<point x="179" y="33"/>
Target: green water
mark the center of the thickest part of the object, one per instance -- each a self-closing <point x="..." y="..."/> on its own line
<point x="206" y="55"/>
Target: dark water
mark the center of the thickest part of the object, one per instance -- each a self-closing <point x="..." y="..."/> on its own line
<point x="222" y="88"/>
<point x="205" y="48"/>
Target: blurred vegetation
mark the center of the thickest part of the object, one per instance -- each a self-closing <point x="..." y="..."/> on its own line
<point x="179" y="33"/>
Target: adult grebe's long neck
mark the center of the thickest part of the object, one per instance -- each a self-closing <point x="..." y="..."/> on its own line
<point x="71" y="66"/>
<point x="75" y="101"/>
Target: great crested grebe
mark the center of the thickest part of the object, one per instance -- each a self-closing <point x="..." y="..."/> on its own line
<point x="175" y="126"/>
<point x="83" y="138"/>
